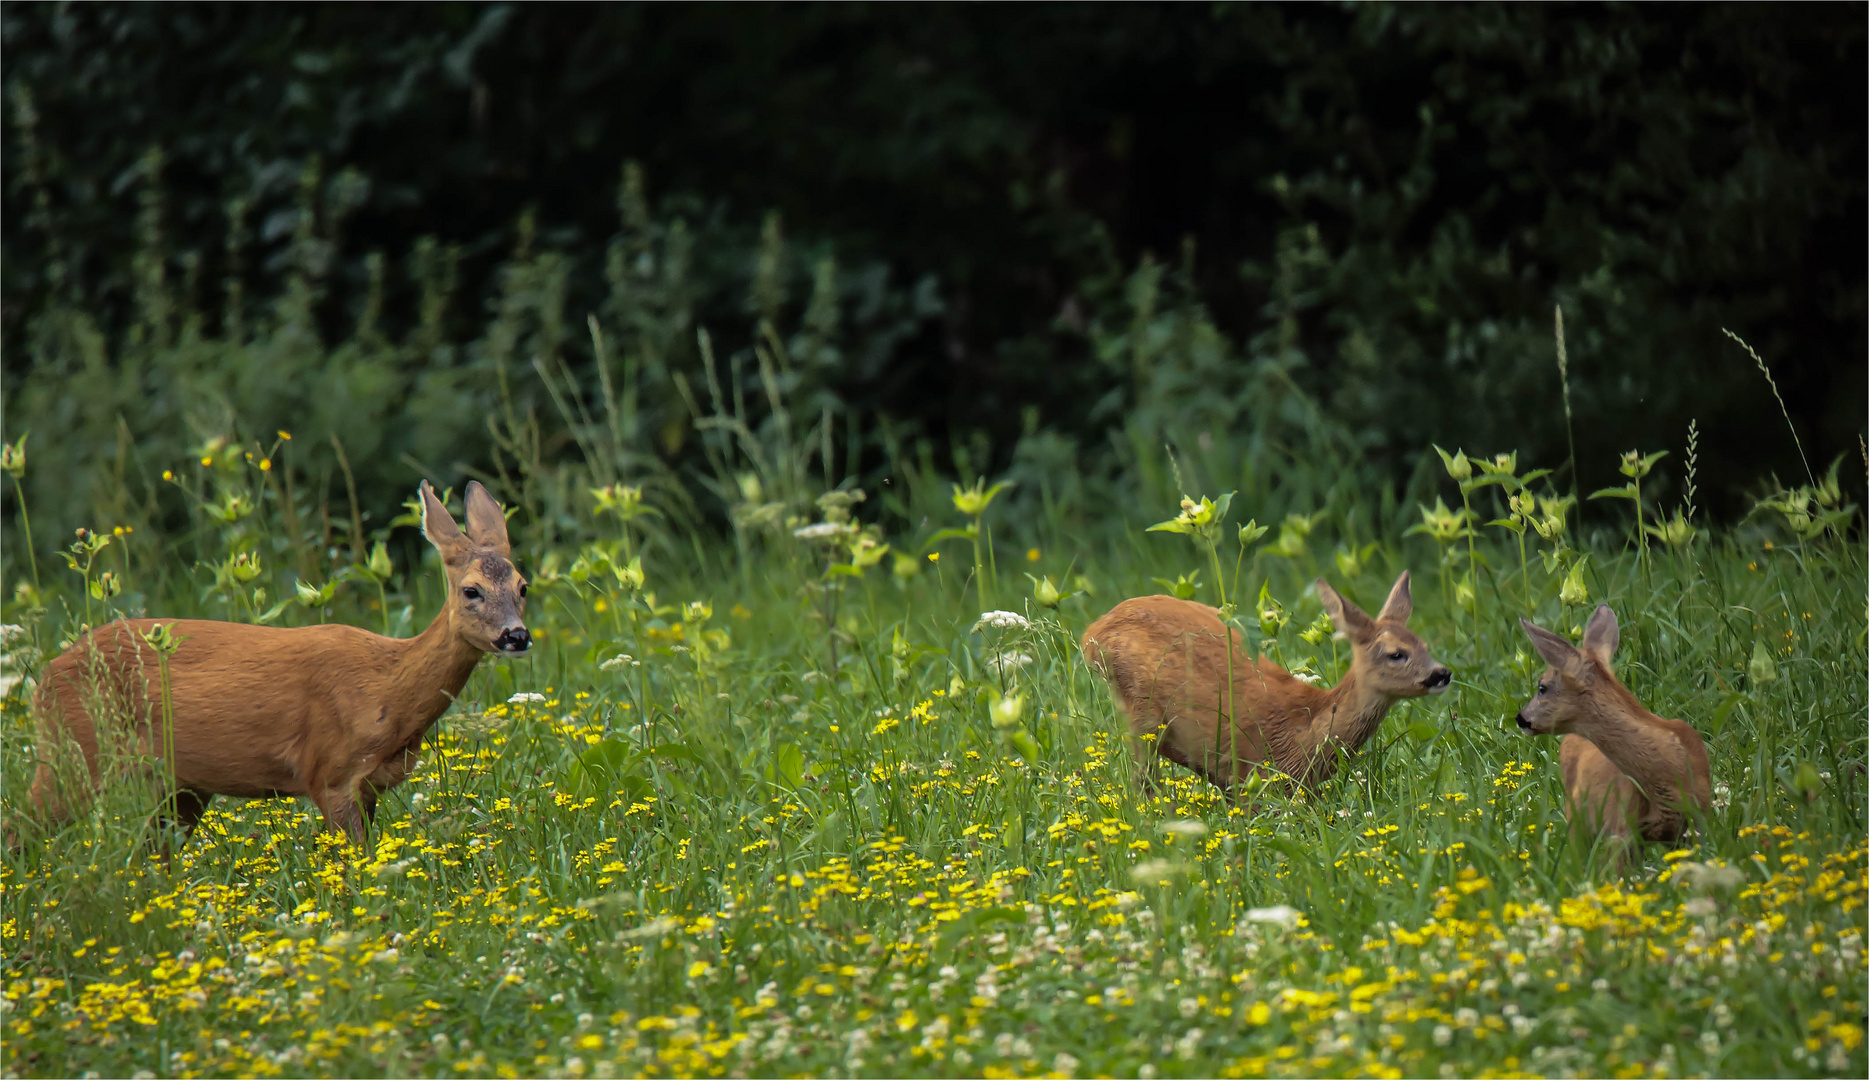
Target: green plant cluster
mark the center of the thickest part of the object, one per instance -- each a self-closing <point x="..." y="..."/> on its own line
<point x="835" y="797"/>
<point x="1389" y="202"/>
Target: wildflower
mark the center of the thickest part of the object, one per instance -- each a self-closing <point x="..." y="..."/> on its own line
<point x="1761" y="667"/>
<point x="1573" y="592"/>
<point x="1031" y="555"/>
<point x="13" y="457"/>
<point x="617" y="663"/>
<point x="1002" y="620"/>
<point x="630" y="576"/>
<point x="524" y="698"/>
<point x="1007" y="710"/>
<point x="1157" y="871"/>
<point x="823" y="530"/>
<point x="974" y="500"/>
<point x="1046" y="593"/>
<point x="1002" y="664"/>
<point x="1185" y="828"/>
<point x="1064" y="1063"/>
<point x="1443" y="1035"/>
<point x="1282" y="915"/>
<point x="1458" y="467"/>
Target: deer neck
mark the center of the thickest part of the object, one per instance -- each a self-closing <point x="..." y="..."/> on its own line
<point x="428" y="675"/>
<point x="1341" y="719"/>
<point x="1637" y="742"/>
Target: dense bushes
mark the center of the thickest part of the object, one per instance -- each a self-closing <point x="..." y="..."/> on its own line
<point x="1387" y="204"/>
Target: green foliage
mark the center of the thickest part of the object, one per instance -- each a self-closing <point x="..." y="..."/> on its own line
<point x="1408" y="191"/>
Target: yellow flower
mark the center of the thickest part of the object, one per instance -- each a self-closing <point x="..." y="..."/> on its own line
<point x="286" y="435"/>
<point x="906" y="1022"/>
<point x="1031" y="554"/>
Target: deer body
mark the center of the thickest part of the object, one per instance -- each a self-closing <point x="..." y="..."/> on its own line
<point x="1627" y="772"/>
<point x="332" y="713"/>
<point x="1168" y="663"/>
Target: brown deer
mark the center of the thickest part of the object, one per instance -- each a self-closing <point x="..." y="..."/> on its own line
<point x="333" y="713"/>
<point x="1626" y="770"/>
<point x="1168" y="662"/>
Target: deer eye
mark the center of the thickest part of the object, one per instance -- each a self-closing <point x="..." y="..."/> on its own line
<point x="522" y="588"/>
<point x="471" y="593"/>
<point x="1398" y="655"/>
<point x="1542" y="688"/>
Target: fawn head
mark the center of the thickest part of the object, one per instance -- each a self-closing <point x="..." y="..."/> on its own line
<point x="1387" y="656"/>
<point x="1575" y="674"/>
<point x="486" y="595"/>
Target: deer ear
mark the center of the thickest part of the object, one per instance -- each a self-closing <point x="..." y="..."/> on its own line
<point x="1351" y="621"/>
<point x="1601" y="636"/>
<point x="438" y="525"/>
<point x="1557" y="652"/>
<point x="1401" y="602"/>
<point x="486" y="522"/>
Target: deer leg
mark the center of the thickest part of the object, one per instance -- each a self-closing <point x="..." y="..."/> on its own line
<point x="366" y="798"/>
<point x="342" y="814"/>
<point x="184" y="809"/>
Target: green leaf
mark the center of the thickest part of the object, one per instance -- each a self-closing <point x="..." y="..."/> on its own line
<point x="944" y="535"/>
<point x="787" y="767"/>
<point x="604" y="768"/>
<point x="1174" y="526"/>
<point x="274" y="611"/>
<point x="1627" y="491"/>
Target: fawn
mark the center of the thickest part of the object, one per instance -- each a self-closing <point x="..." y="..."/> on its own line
<point x="333" y="713"/>
<point x="1168" y="662"/>
<point x="1626" y="770"/>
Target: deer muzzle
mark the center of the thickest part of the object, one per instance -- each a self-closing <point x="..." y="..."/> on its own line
<point x="513" y="641"/>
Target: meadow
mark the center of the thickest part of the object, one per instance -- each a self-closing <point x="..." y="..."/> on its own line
<point x="796" y="801"/>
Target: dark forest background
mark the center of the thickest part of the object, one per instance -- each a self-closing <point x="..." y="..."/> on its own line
<point x="1014" y="225"/>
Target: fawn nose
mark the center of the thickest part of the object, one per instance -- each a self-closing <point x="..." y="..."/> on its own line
<point x="513" y="639"/>
<point x="1524" y="725"/>
<point x="1438" y="679"/>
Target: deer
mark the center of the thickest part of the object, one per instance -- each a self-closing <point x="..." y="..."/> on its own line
<point x="1168" y="663"/>
<point x="1627" y="772"/>
<point x="333" y="713"/>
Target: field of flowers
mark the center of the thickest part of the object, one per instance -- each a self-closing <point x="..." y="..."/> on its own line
<point x="780" y="811"/>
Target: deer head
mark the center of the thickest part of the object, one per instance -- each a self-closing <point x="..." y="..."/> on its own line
<point x="486" y="604"/>
<point x="1576" y="673"/>
<point x="1387" y="657"/>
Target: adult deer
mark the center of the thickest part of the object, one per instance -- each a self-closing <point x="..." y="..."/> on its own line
<point x="1626" y="770"/>
<point x="333" y="713"/>
<point x="1168" y="662"/>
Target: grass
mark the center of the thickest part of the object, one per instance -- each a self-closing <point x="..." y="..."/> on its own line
<point x="719" y="857"/>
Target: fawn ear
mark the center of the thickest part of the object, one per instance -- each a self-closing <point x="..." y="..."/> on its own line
<point x="1557" y="652"/>
<point x="1351" y="621"/>
<point x="1401" y="602"/>
<point x="438" y="525"/>
<point x="486" y="522"/>
<point x="1601" y="636"/>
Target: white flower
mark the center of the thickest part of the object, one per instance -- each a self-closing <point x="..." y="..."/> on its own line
<point x="1185" y="828"/>
<point x="1002" y="620"/>
<point x="1064" y="1063"/>
<point x="823" y="530"/>
<point x="1308" y="677"/>
<point x="1283" y="915"/>
<point x="1443" y="1034"/>
<point x="525" y="699"/>
<point x="616" y="662"/>
<point x="11" y="633"/>
<point x="1003" y="663"/>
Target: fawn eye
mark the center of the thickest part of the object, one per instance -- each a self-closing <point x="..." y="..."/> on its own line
<point x="522" y="588"/>
<point x="1542" y="688"/>
<point x="1398" y="655"/>
<point x="471" y="593"/>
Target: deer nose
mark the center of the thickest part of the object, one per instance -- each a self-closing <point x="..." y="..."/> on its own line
<point x="1439" y="678"/>
<point x="513" y="639"/>
<point x="1524" y="725"/>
